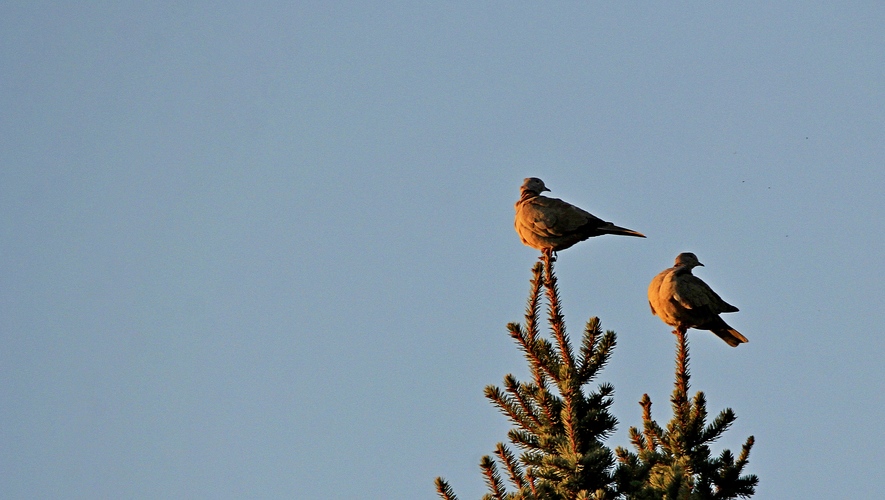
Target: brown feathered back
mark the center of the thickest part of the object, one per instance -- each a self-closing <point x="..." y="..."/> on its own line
<point x="684" y="301"/>
<point x="550" y="224"/>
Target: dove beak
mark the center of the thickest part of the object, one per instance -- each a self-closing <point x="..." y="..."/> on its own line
<point x="700" y="264"/>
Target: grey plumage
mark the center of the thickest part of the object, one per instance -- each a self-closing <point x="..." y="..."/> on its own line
<point x="550" y="224"/>
<point x="683" y="301"/>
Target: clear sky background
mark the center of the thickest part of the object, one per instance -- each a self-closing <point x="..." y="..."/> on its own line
<point x="266" y="250"/>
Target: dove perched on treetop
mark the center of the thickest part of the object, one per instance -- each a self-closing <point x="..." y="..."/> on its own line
<point x="683" y="301"/>
<point x="550" y="224"/>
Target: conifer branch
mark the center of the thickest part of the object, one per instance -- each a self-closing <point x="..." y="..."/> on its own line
<point x="509" y="407"/>
<point x="557" y="324"/>
<point x="532" y="460"/>
<point x="493" y="479"/>
<point x="523" y="439"/>
<point x="549" y="403"/>
<point x="697" y="416"/>
<point x="514" y="471"/>
<point x="544" y="362"/>
<point x="591" y="333"/>
<point x="601" y="350"/>
<point x="444" y="490"/>
<point x="521" y="393"/>
<point x="559" y="426"/>
<point x="530" y="477"/>
<point x="637" y="439"/>
<point x="718" y="426"/>
<point x="743" y="459"/>
<point x="624" y="455"/>
<point x="570" y="423"/>
<point x="676" y="463"/>
<point x="533" y="309"/>
<point x="698" y="412"/>
<point x="651" y="430"/>
<point x="592" y="405"/>
<point x="538" y="352"/>
<point x="680" y="391"/>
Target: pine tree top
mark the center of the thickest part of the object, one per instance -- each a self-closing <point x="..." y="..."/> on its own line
<point x="560" y="425"/>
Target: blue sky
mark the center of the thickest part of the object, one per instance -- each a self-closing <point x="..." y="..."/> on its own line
<point x="266" y="250"/>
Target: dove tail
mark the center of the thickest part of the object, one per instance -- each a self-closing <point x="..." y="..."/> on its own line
<point x="731" y="336"/>
<point x="613" y="229"/>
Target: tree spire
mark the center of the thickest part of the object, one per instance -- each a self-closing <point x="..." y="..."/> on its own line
<point x="558" y="424"/>
<point x="676" y="463"/>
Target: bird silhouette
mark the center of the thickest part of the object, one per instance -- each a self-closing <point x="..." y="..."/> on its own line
<point x="550" y="224"/>
<point x="683" y="301"/>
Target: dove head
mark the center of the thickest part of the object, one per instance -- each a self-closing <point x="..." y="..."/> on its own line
<point x="688" y="260"/>
<point x="533" y="185"/>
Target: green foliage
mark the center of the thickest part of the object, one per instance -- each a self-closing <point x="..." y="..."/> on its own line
<point x="559" y="425"/>
<point x="676" y="463"/>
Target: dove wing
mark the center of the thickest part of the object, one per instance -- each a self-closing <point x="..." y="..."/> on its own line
<point x="692" y="293"/>
<point x="552" y="217"/>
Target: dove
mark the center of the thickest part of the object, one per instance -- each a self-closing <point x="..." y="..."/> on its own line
<point x="683" y="301"/>
<point x="550" y="224"/>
